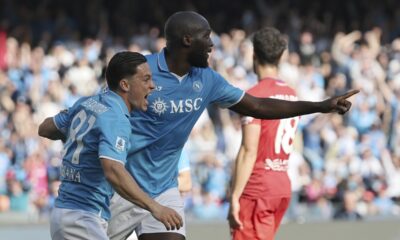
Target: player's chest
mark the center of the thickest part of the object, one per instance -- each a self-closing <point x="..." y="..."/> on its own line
<point x="176" y="99"/>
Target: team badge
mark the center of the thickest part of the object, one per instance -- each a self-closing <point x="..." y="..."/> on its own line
<point x="197" y="86"/>
<point x="120" y="144"/>
<point x="159" y="106"/>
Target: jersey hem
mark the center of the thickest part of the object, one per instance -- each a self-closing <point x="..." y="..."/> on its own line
<point x="233" y="104"/>
<point x="112" y="159"/>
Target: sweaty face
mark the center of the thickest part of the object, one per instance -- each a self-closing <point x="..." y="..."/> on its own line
<point x="140" y="86"/>
<point x="201" y="47"/>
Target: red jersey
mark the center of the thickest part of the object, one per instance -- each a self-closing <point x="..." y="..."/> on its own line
<point x="269" y="177"/>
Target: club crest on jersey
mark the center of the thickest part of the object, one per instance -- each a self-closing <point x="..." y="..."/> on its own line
<point x="197" y="86"/>
<point x="159" y="106"/>
<point x="120" y="144"/>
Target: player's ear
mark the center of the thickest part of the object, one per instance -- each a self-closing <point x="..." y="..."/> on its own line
<point x="187" y="40"/>
<point x="124" y="85"/>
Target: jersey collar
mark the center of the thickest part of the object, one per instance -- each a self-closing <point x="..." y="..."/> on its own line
<point x="162" y="63"/>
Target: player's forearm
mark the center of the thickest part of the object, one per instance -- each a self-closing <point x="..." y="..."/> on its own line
<point x="268" y="108"/>
<point x="184" y="181"/>
<point x="244" y="166"/>
<point x="124" y="184"/>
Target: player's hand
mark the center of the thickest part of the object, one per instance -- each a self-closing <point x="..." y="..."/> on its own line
<point x="167" y="216"/>
<point x="338" y="104"/>
<point x="233" y="215"/>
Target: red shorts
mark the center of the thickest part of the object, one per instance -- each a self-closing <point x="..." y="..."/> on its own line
<point x="260" y="218"/>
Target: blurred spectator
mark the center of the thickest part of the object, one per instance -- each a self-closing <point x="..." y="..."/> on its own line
<point x="348" y="211"/>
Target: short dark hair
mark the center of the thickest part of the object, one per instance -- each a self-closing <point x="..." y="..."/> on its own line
<point x="121" y="65"/>
<point x="269" y="45"/>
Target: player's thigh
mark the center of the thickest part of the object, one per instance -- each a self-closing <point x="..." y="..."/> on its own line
<point x="151" y="227"/>
<point x="268" y="216"/>
<point x="246" y="216"/>
<point x="281" y="210"/>
<point x="264" y="225"/>
<point x="125" y="218"/>
<point x="77" y="224"/>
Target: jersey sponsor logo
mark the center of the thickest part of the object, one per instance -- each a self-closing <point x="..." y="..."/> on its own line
<point x="187" y="105"/>
<point x="120" y="144"/>
<point x="159" y="106"/>
<point x="197" y="86"/>
<point x="276" y="164"/>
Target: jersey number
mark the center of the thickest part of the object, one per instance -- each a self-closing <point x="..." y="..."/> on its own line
<point x="285" y="135"/>
<point x="76" y="132"/>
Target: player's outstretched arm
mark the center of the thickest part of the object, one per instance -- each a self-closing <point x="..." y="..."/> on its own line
<point x="48" y="129"/>
<point x="268" y="108"/>
<point x="126" y="186"/>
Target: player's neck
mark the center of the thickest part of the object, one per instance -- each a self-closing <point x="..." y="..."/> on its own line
<point x="176" y="62"/>
<point x="267" y="71"/>
<point x="124" y="97"/>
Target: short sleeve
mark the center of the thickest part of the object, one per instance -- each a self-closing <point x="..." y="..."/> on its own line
<point x="62" y="120"/>
<point x="223" y="93"/>
<point x="114" y="137"/>
<point x="250" y="120"/>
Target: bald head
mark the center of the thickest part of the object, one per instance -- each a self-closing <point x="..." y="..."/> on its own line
<point x="183" y="23"/>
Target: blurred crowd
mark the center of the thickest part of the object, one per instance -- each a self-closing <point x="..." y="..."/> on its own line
<point x="343" y="167"/>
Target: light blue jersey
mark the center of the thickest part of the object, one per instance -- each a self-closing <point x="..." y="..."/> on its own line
<point x="97" y="127"/>
<point x="174" y="107"/>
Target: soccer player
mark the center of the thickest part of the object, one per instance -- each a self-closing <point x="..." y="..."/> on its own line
<point x="184" y="87"/>
<point x="95" y="153"/>
<point x="261" y="186"/>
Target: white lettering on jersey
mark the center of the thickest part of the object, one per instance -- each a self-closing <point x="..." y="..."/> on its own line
<point x="94" y="106"/>
<point x="285" y="97"/>
<point x="187" y="105"/>
<point x="159" y="106"/>
<point x="276" y="164"/>
<point x="70" y="174"/>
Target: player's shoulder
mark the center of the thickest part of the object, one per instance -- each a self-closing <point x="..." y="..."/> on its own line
<point x="151" y="56"/>
<point x="282" y="86"/>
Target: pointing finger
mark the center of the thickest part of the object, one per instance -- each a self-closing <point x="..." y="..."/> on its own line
<point x="349" y="94"/>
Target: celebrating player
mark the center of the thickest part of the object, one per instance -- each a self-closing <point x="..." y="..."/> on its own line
<point x="95" y="153"/>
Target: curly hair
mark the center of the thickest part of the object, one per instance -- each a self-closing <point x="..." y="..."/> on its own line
<point x="269" y="45"/>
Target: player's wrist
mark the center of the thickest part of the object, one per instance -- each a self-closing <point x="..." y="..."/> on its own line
<point x="153" y="206"/>
<point x="235" y="197"/>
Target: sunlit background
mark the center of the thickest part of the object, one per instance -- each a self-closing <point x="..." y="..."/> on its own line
<point x="53" y="52"/>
